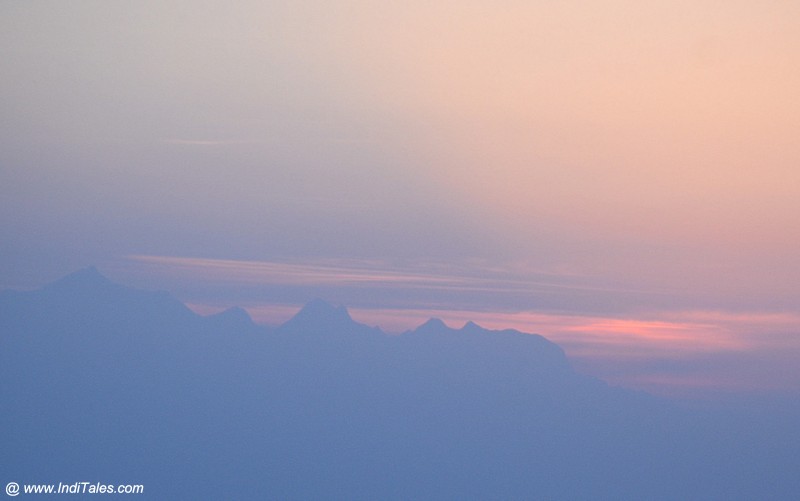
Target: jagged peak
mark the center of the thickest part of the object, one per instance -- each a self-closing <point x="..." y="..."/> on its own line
<point x="85" y="277"/>
<point x="234" y="316"/>
<point x="320" y="306"/>
<point x="471" y="326"/>
<point x="433" y="324"/>
<point x="88" y="287"/>
<point x="319" y="310"/>
<point x="88" y="273"/>
<point x="234" y="312"/>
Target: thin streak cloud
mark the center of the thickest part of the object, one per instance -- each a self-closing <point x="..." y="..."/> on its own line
<point x="370" y="273"/>
<point x="209" y="142"/>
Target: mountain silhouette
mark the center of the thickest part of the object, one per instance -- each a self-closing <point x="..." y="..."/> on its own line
<point x="318" y="316"/>
<point x="107" y="382"/>
<point x="87" y="279"/>
<point x="234" y="319"/>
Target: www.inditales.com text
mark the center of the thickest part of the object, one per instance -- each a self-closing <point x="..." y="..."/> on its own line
<point x="14" y="489"/>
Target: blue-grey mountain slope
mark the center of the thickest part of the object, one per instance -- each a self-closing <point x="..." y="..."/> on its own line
<point x="102" y="382"/>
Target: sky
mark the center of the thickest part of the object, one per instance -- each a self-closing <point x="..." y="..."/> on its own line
<point x="619" y="176"/>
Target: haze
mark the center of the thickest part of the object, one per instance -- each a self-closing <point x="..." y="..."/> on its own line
<point x="621" y="177"/>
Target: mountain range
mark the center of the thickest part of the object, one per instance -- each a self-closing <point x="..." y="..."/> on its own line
<point x="103" y="382"/>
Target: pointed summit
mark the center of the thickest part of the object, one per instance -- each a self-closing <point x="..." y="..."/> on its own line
<point x="88" y="273"/>
<point x="432" y="325"/>
<point x="235" y="312"/>
<point x="320" y="315"/>
<point x="235" y="318"/>
<point x="86" y="279"/>
<point x="320" y="309"/>
<point x="326" y="323"/>
<point x="471" y="326"/>
<point x="88" y="289"/>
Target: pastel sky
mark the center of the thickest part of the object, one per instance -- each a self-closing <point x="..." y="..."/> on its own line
<point x="621" y="176"/>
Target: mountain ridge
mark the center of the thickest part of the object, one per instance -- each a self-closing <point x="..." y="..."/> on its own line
<point x="324" y="406"/>
<point x="316" y="314"/>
